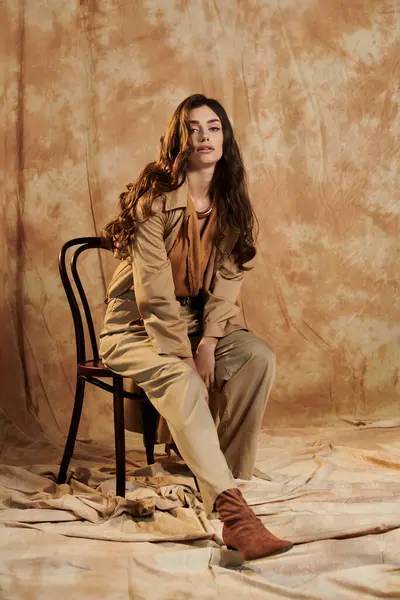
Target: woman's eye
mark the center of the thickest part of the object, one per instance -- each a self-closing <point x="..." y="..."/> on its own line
<point x="196" y="129"/>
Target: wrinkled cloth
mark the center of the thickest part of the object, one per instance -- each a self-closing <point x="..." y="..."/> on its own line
<point x="155" y="502"/>
<point x="334" y="492"/>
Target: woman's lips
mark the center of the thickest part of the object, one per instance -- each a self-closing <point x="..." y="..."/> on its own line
<point x="205" y="150"/>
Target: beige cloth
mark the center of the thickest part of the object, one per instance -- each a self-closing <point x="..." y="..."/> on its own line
<point x="334" y="492"/>
<point x="245" y="369"/>
<point x="191" y="252"/>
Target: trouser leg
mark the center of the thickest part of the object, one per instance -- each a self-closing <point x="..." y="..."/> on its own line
<point x="177" y="392"/>
<point x="245" y="371"/>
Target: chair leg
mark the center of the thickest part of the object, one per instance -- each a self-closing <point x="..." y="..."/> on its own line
<point x="119" y="430"/>
<point x="150" y="418"/>
<point x="73" y="430"/>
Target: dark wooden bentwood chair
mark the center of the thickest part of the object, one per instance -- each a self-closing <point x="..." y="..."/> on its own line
<point x="93" y="371"/>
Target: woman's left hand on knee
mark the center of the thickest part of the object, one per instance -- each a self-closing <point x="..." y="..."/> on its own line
<point x="205" y="364"/>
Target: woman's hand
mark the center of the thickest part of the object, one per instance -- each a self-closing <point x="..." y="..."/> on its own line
<point x="205" y="361"/>
<point x="191" y="363"/>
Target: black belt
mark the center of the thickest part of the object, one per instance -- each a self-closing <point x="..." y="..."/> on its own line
<point x="195" y="302"/>
<point x="183" y="300"/>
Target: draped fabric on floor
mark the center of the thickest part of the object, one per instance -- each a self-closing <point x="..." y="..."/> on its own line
<point x="312" y="91"/>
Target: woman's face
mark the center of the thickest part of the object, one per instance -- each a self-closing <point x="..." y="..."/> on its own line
<point x="205" y="137"/>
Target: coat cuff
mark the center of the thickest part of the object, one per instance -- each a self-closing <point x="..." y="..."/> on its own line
<point x="178" y="351"/>
<point x="214" y="330"/>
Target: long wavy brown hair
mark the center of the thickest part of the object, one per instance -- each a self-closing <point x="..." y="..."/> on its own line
<point x="228" y="187"/>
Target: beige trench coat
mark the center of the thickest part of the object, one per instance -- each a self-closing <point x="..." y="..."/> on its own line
<point x="145" y="278"/>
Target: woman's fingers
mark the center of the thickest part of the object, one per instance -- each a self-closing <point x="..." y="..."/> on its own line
<point x="205" y="379"/>
<point x="206" y="374"/>
<point x="211" y="380"/>
<point x="205" y="389"/>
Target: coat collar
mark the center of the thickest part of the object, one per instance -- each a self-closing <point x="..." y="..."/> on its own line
<point x="178" y="198"/>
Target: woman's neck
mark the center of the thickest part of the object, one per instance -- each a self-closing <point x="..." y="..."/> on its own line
<point x="199" y="185"/>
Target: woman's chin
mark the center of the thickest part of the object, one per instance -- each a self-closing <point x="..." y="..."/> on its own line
<point x="202" y="162"/>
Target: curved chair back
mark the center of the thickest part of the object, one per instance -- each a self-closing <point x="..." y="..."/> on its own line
<point x="81" y="244"/>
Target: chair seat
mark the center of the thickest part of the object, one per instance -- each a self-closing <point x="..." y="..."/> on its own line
<point x="95" y="368"/>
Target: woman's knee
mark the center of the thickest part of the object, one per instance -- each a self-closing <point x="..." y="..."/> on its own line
<point x="261" y="354"/>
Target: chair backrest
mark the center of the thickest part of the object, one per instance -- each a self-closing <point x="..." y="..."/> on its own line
<point x="81" y="244"/>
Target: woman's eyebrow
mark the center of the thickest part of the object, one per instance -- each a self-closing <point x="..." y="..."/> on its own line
<point x="209" y="121"/>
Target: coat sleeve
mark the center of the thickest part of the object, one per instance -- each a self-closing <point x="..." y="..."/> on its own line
<point x="222" y="300"/>
<point x="155" y="290"/>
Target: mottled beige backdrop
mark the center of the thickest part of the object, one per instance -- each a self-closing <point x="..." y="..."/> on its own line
<point x="312" y="87"/>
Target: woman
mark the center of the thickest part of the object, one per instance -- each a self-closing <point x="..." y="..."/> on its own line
<point x="184" y="236"/>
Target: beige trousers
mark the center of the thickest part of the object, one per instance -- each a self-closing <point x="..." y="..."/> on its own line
<point x="218" y="441"/>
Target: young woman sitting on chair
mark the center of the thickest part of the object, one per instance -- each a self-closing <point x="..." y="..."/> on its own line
<point x="184" y="236"/>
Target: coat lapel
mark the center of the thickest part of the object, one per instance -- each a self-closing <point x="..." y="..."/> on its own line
<point x="178" y="199"/>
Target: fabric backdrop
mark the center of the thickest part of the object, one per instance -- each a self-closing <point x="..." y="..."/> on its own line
<point x="312" y="89"/>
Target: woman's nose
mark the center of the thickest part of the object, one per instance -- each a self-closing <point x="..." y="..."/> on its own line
<point x="205" y="137"/>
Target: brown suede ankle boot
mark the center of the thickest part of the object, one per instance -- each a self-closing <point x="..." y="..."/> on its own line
<point x="244" y="531"/>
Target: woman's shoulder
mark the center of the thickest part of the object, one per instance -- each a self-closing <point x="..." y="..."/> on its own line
<point x="148" y="205"/>
<point x="164" y="202"/>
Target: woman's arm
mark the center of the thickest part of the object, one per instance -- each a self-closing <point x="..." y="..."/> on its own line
<point x="222" y="299"/>
<point x="155" y="290"/>
<point x="221" y="305"/>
